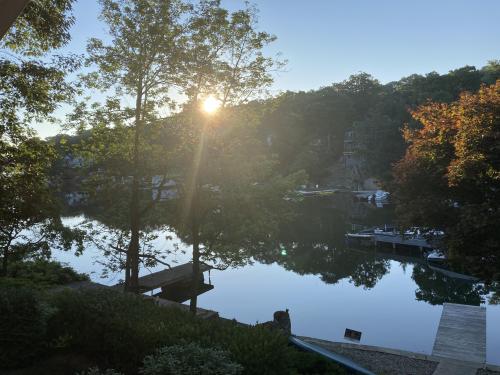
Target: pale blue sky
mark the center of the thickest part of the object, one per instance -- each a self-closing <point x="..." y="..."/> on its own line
<point x="327" y="40"/>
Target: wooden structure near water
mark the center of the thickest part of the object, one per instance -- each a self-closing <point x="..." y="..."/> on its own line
<point x="175" y="282"/>
<point x="400" y="240"/>
<point x="392" y="239"/>
<point x="461" y="334"/>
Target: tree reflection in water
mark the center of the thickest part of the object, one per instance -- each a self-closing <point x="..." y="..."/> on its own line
<point x="313" y="243"/>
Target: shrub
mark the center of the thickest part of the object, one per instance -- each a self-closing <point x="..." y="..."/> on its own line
<point x="23" y="323"/>
<point x="190" y="359"/>
<point x="119" y="330"/>
<point x="43" y="274"/>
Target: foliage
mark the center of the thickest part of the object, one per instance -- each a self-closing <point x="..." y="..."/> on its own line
<point x="31" y="88"/>
<point x="117" y="322"/>
<point x="449" y="177"/>
<point x="43" y="25"/>
<point x="29" y="214"/>
<point x="189" y="359"/>
<point x="159" y="49"/>
<point x="23" y="326"/>
<point x="32" y="84"/>
<point x="306" y="129"/>
<point x="42" y="274"/>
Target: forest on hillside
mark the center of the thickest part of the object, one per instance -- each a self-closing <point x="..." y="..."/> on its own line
<point x="307" y="129"/>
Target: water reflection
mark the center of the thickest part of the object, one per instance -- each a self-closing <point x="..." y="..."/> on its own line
<point x="313" y="243"/>
<point x="328" y="287"/>
<point x="436" y="288"/>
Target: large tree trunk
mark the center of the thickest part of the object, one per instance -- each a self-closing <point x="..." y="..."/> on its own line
<point x="127" y="270"/>
<point x="5" y="261"/>
<point x="195" y="281"/>
<point x="133" y="248"/>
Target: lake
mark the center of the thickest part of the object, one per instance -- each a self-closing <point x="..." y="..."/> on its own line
<point x="394" y="298"/>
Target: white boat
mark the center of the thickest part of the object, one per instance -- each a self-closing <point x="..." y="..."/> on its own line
<point x="436" y="256"/>
<point x="381" y="195"/>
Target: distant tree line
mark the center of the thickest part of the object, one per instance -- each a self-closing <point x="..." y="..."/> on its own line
<point x="306" y="129"/>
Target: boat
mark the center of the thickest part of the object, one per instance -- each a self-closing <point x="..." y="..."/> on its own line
<point x="435" y="256"/>
<point x="345" y="362"/>
<point x="379" y="197"/>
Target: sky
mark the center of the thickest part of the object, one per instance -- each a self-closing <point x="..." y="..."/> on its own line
<point x="325" y="41"/>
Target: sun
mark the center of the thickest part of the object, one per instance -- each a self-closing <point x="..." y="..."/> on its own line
<point x="210" y="105"/>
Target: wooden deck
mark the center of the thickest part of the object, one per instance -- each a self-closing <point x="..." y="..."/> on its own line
<point x="401" y="240"/>
<point x="461" y="334"/>
<point x="167" y="277"/>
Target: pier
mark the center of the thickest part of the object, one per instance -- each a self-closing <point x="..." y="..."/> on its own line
<point x="461" y="340"/>
<point x="400" y="240"/>
<point x="175" y="282"/>
<point x="393" y="239"/>
<point x="461" y="333"/>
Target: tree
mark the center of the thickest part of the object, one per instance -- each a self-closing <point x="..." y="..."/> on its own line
<point x="32" y="84"/>
<point x="449" y="177"/>
<point x="30" y="221"/>
<point x="141" y="62"/>
<point x="238" y="201"/>
<point x="30" y="88"/>
<point x="224" y="61"/>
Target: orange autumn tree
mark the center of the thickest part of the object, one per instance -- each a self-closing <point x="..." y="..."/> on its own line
<point x="450" y="175"/>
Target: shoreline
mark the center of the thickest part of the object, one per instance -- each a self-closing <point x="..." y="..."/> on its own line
<point x="393" y="361"/>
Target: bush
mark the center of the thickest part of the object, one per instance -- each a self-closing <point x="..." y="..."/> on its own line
<point x="190" y="359"/>
<point x="23" y="323"/>
<point x="43" y="274"/>
<point x="119" y="330"/>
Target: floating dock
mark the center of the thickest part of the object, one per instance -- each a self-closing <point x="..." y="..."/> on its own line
<point x="393" y="239"/>
<point x="398" y="239"/>
<point x="175" y="282"/>
<point x="170" y="276"/>
<point x="461" y="334"/>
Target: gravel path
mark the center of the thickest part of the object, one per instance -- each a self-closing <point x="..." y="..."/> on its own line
<point x="379" y="362"/>
<point x="487" y="372"/>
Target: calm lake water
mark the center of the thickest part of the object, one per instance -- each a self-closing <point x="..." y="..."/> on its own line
<point x="394" y="299"/>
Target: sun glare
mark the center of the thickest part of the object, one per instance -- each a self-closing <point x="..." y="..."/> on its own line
<point x="211" y="105"/>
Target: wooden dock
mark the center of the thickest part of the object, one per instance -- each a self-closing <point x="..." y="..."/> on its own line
<point x="170" y="277"/>
<point x="461" y="334"/>
<point x="399" y="240"/>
